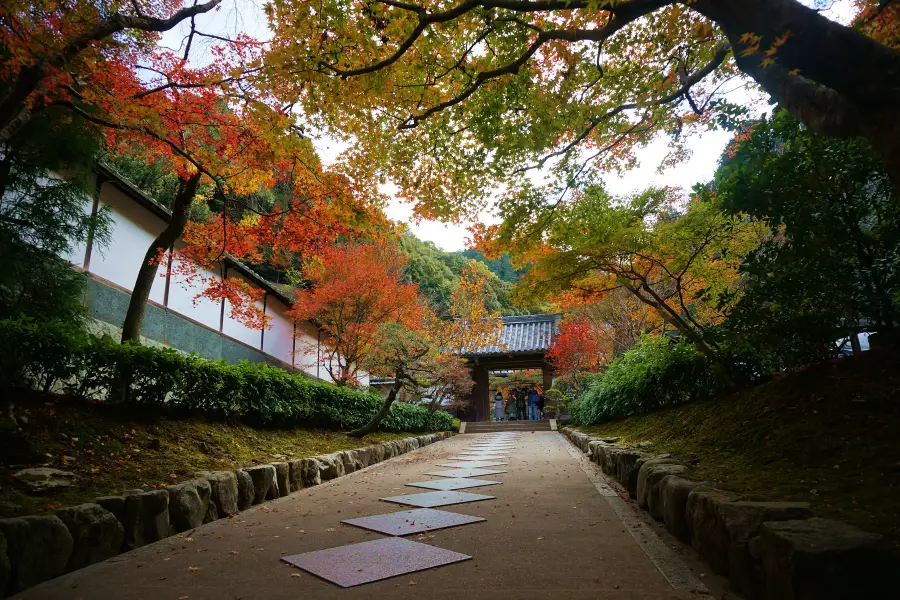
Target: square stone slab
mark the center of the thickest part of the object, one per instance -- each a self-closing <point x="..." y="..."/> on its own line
<point x="432" y="499"/>
<point x="356" y="564"/>
<point x="473" y="464"/>
<point x="489" y="448"/>
<point x="417" y="520"/>
<point x="481" y="458"/>
<point x="465" y="471"/>
<point x="484" y="455"/>
<point x="457" y="483"/>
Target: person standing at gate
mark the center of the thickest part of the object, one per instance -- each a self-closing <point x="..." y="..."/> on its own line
<point x="520" y="404"/>
<point x="533" y="398"/>
<point x="498" y="406"/>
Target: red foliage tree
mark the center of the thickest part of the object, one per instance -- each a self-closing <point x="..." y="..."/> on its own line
<point x="357" y="289"/>
<point x="579" y="348"/>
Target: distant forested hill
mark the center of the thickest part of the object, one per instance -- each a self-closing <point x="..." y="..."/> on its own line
<point x="437" y="273"/>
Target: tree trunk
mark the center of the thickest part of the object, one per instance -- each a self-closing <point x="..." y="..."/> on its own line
<point x="134" y="318"/>
<point x="854" y="343"/>
<point x="373" y="424"/>
<point x="834" y="79"/>
<point x="5" y="169"/>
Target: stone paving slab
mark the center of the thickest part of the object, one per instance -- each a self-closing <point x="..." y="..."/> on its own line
<point x="433" y="499"/>
<point x="472" y="472"/>
<point x="418" y="520"/>
<point x="356" y="564"/>
<point x="477" y="457"/>
<point x="454" y="483"/>
<point x="473" y="464"/>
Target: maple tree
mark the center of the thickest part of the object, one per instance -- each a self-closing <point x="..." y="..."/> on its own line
<point x="579" y="348"/>
<point x="450" y="97"/>
<point x="49" y="49"/>
<point x="356" y="288"/>
<point x="680" y="262"/>
<point x="373" y="320"/>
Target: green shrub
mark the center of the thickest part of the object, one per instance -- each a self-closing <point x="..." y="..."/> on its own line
<point x="57" y="356"/>
<point x="654" y="373"/>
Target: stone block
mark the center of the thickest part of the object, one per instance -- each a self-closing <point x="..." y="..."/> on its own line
<point x="741" y="521"/>
<point x="377" y="454"/>
<point x="351" y="461"/>
<point x="4" y="565"/>
<point x="674" y="491"/>
<point x="40" y="480"/>
<point x="595" y="452"/>
<point x="332" y="466"/>
<point x="388" y="450"/>
<point x="655" y="475"/>
<point x="296" y="475"/>
<point x="708" y="537"/>
<point x="246" y="489"/>
<point x="113" y="504"/>
<point x="38" y="549"/>
<point x="223" y="491"/>
<point x="146" y="518"/>
<point x="413" y="444"/>
<point x="311" y="469"/>
<point x="821" y="559"/>
<point x="263" y="477"/>
<point x="96" y="534"/>
<point x="630" y="476"/>
<point x="366" y="456"/>
<point x="188" y="504"/>
<point x="643" y="489"/>
<point x="282" y="480"/>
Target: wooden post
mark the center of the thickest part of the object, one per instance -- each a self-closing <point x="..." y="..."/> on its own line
<point x="547" y="373"/>
<point x="481" y="394"/>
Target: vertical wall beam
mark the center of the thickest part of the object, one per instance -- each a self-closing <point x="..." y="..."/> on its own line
<point x="95" y="208"/>
<point x="222" y="314"/>
<point x="262" y="337"/>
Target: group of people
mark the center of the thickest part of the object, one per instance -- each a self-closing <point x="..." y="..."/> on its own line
<point x="522" y="404"/>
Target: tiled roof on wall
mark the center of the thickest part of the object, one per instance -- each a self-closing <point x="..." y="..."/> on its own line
<point x="526" y="334"/>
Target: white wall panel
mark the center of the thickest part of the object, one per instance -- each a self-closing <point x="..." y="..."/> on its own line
<point x="133" y="230"/>
<point x="279" y="340"/>
<point x="305" y="357"/>
<point x="183" y="299"/>
<point x="234" y="328"/>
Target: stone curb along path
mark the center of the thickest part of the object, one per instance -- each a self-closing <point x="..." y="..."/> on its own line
<point x="35" y="549"/>
<point x="768" y="550"/>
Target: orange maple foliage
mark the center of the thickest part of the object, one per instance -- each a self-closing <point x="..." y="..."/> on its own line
<point x="53" y="51"/>
<point x="356" y="289"/>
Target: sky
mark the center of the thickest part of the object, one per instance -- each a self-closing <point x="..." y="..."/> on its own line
<point x="705" y="148"/>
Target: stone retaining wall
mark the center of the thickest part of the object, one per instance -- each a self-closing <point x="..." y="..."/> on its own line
<point x="768" y="550"/>
<point x="37" y="548"/>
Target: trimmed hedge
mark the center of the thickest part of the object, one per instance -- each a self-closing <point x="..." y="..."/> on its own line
<point x="654" y="373"/>
<point x="60" y="356"/>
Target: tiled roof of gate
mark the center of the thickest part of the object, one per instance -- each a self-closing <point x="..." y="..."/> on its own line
<point x="528" y="334"/>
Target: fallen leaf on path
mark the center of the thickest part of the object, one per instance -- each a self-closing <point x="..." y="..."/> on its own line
<point x="295" y="574"/>
<point x="193" y="569"/>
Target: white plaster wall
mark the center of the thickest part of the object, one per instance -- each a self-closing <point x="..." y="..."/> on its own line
<point x="133" y="230"/>
<point x="237" y="330"/>
<point x="279" y="340"/>
<point x="181" y="299"/>
<point x="305" y="355"/>
<point x="76" y="254"/>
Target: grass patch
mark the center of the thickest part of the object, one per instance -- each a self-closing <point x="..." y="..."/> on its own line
<point x="828" y="435"/>
<point x="111" y="451"/>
